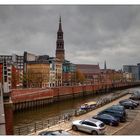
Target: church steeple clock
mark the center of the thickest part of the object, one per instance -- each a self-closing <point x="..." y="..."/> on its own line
<point x="60" y="52"/>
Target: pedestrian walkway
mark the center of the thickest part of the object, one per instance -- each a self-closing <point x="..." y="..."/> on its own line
<point x="2" y="118"/>
<point x="66" y="125"/>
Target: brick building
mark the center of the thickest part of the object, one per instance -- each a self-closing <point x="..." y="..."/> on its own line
<point x="91" y="72"/>
<point x="17" y="62"/>
<point x="37" y="74"/>
<point x="111" y="76"/>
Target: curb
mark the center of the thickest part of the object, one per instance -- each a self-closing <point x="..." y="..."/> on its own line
<point x="68" y="129"/>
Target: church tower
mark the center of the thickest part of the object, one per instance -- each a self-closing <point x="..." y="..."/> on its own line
<point x="105" y="65"/>
<point x="60" y="52"/>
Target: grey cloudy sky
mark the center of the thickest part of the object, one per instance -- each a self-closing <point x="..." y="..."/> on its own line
<point x="92" y="34"/>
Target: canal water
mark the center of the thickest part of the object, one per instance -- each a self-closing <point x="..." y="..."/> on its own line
<point x="55" y="109"/>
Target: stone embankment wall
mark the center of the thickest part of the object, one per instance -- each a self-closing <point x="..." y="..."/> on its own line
<point x="27" y="98"/>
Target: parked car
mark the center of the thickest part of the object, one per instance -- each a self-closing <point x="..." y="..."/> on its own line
<point x="136" y="103"/>
<point x="128" y="105"/>
<point x="135" y="96"/>
<point x="116" y="113"/>
<point x="94" y="127"/>
<point x="118" y="108"/>
<point x="107" y="119"/>
<point x="55" y="133"/>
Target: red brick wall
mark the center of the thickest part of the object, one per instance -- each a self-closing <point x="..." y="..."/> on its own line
<point x="8" y="119"/>
<point x="19" y="95"/>
<point x="29" y="95"/>
<point x="88" y="88"/>
<point x="77" y="89"/>
<point x="24" y="91"/>
<point x="55" y="92"/>
<point x="65" y="90"/>
<point x="14" y="77"/>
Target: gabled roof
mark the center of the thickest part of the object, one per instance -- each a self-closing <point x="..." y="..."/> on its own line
<point x="87" y="68"/>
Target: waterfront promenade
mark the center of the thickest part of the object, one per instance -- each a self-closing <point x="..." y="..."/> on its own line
<point x="66" y="125"/>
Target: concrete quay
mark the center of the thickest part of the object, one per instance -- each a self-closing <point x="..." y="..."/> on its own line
<point x="67" y="124"/>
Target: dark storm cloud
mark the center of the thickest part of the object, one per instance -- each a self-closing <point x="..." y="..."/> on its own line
<point x="92" y="34"/>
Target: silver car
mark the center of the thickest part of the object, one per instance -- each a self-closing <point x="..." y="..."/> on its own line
<point x="94" y="126"/>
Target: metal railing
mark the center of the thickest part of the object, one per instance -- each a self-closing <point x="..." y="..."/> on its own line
<point x="39" y="125"/>
<point x="101" y="102"/>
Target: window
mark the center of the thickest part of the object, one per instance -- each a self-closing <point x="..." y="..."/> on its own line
<point x="5" y="72"/>
<point x="91" y="124"/>
<point x="5" y="78"/>
<point x="105" y="116"/>
<point x="84" y="122"/>
<point x="102" y="125"/>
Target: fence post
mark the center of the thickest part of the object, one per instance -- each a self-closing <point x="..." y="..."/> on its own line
<point x="27" y="129"/>
<point x="48" y="123"/>
<point x="42" y="124"/>
<point x="35" y="127"/>
<point x="19" y="131"/>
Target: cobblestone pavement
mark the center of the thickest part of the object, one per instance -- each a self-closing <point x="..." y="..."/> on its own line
<point x="109" y="129"/>
<point x="133" y="128"/>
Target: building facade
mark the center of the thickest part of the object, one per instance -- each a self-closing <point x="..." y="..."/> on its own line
<point x="128" y="77"/>
<point x="6" y="74"/>
<point x="37" y="75"/>
<point x="139" y="69"/>
<point x="16" y="61"/>
<point x="69" y="73"/>
<point x="55" y="72"/>
<point x="132" y="69"/>
<point x="91" y="73"/>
